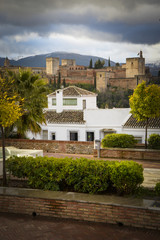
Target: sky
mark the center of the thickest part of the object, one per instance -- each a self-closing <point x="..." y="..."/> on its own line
<point x="105" y="28"/>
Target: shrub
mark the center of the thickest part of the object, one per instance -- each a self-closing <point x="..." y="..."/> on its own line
<point x="118" y="140"/>
<point x="127" y="176"/>
<point x="157" y="188"/>
<point x="80" y="175"/>
<point x="154" y="141"/>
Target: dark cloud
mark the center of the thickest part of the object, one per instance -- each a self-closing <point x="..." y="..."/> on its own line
<point x="136" y="21"/>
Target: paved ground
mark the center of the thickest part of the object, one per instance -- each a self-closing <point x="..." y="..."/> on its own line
<point x="145" y="164"/>
<point x="151" y="168"/>
<point x="21" y="227"/>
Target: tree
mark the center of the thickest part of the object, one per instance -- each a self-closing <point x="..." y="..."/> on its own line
<point x="54" y="83"/>
<point x="33" y="90"/>
<point x="59" y="81"/>
<point x="10" y="111"/>
<point x="114" y="97"/>
<point x="64" y="83"/>
<point x="109" y="62"/>
<point x="95" y="82"/>
<point x="145" y="104"/>
<point x="90" y="64"/>
<point x="99" y="64"/>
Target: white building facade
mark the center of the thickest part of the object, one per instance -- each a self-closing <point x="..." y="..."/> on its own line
<point x="72" y="115"/>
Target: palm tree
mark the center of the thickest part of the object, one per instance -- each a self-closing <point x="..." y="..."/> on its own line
<point x="33" y="91"/>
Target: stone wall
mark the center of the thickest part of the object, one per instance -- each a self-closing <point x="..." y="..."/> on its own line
<point x="135" y="66"/>
<point x="71" y="147"/>
<point x="126" y="83"/>
<point x="134" y="154"/>
<point x="34" y="201"/>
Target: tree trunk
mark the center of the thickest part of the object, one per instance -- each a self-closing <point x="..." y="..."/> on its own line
<point x="4" y="156"/>
<point x="146" y="128"/>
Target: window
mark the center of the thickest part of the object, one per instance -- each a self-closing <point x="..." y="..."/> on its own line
<point x="70" y="101"/>
<point x="53" y="136"/>
<point x="84" y="104"/>
<point x="53" y="101"/>
<point x="45" y="134"/>
<point x="73" y="136"/>
<point x="90" y="136"/>
<point x="139" y="139"/>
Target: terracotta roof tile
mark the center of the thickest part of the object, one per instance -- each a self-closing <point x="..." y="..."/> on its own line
<point x="133" y="123"/>
<point x="65" y="117"/>
<point x="74" y="91"/>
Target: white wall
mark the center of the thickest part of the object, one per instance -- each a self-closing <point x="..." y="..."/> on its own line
<point x="95" y="121"/>
<point x="107" y="118"/>
<point x="140" y="132"/>
<point x="91" y="102"/>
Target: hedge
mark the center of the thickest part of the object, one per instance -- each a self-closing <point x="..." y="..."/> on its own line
<point x="118" y="141"/>
<point x="80" y="175"/>
<point x="154" y="141"/>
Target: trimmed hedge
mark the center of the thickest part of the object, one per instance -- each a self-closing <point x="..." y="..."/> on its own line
<point x="80" y="175"/>
<point x="154" y="141"/>
<point x="157" y="189"/>
<point x="118" y="141"/>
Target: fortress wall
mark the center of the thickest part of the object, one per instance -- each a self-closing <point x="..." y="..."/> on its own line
<point x="128" y="83"/>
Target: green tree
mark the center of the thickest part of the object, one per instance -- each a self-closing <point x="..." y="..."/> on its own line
<point x="90" y="64"/>
<point x="109" y="62"/>
<point x="95" y="82"/>
<point x="59" y="81"/>
<point x="64" y="83"/>
<point x="10" y="111"/>
<point x="99" y="64"/>
<point x="33" y="90"/>
<point x="114" y="97"/>
<point x="145" y="104"/>
<point x="54" y="83"/>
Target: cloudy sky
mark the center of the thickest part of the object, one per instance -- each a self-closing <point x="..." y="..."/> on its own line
<point x="115" y="28"/>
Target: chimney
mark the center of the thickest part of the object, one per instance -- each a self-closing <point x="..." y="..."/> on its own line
<point x="59" y="100"/>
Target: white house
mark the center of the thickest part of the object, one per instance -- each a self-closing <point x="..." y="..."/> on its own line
<point x="72" y="115"/>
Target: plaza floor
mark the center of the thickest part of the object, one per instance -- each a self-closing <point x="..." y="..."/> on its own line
<point x="22" y="227"/>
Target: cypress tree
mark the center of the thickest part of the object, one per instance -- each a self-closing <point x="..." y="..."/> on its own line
<point x="91" y="64"/>
<point x="59" y="81"/>
<point x="109" y="62"/>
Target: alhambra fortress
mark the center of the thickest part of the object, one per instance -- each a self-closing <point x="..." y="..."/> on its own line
<point x="127" y="76"/>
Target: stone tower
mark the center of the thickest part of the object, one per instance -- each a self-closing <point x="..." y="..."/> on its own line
<point x="6" y="62"/>
<point x="68" y="62"/>
<point x="135" y="66"/>
<point x="52" y="66"/>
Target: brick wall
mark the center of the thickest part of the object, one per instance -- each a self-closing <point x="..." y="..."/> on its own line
<point x="82" y="210"/>
<point x="139" y="154"/>
<point x="53" y="146"/>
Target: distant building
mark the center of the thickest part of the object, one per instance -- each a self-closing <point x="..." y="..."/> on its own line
<point x="35" y="70"/>
<point x="127" y="76"/>
<point x="69" y="71"/>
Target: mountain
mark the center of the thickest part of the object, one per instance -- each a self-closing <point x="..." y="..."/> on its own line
<point x="40" y="60"/>
<point x="154" y="68"/>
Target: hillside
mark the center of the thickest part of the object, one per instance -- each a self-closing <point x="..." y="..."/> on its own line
<point x="40" y="60"/>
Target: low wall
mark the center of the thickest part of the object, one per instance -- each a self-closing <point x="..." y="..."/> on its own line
<point x="71" y="147"/>
<point x="135" y="154"/>
<point x="77" y="206"/>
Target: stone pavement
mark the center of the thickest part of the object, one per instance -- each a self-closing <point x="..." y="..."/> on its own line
<point x="151" y="168"/>
<point x="151" y="177"/>
<point x="145" y="163"/>
<point x="22" y="227"/>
